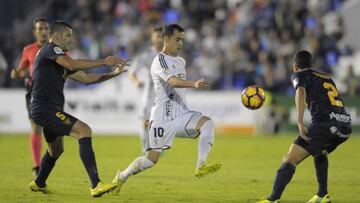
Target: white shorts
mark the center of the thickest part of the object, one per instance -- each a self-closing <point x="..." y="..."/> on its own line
<point x="162" y="133"/>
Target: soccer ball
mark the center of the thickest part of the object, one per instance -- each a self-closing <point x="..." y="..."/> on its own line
<point x="253" y="97"/>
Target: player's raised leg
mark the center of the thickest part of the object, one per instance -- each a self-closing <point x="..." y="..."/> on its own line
<point x="83" y="133"/>
<point x="55" y="149"/>
<point x="284" y="174"/>
<point x="206" y="128"/>
<point x="35" y="145"/>
<point x="138" y="165"/>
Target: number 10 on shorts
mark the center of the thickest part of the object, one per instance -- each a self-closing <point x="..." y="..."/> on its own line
<point x="158" y="132"/>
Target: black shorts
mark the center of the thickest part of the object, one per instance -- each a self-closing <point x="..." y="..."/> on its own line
<point x="325" y="138"/>
<point x="27" y="99"/>
<point x="55" y="123"/>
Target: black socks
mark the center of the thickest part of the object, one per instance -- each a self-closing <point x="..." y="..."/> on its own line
<point x="47" y="164"/>
<point x="321" y="165"/>
<point x="283" y="177"/>
<point x="88" y="158"/>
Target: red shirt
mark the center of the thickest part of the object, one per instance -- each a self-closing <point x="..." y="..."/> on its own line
<point x="28" y="57"/>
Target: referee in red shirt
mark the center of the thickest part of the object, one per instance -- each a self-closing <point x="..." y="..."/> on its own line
<point x="41" y="33"/>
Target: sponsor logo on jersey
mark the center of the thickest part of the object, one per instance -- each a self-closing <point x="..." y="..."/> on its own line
<point x="340" y="117"/>
<point x="168" y="106"/>
<point x="58" y="50"/>
<point x="334" y="130"/>
<point x="167" y="71"/>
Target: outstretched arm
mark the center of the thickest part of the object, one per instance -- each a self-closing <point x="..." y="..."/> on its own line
<point x="89" y="79"/>
<point x="77" y="65"/>
<point x="160" y="67"/>
<point x="180" y="83"/>
<point x="300" y="104"/>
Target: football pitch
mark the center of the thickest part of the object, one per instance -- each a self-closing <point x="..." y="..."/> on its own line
<point x="249" y="166"/>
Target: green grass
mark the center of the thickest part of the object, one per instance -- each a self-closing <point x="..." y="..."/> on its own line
<point x="249" y="166"/>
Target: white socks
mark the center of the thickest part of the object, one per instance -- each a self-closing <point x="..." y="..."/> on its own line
<point x="138" y="165"/>
<point x="205" y="142"/>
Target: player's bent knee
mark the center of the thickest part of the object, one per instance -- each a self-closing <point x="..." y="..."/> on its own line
<point x="295" y="155"/>
<point x="153" y="156"/>
<point x="81" y="130"/>
<point x="207" y="131"/>
<point x="87" y="131"/>
<point x="153" y="159"/>
<point x="286" y="158"/>
<point x="202" y="122"/>
<point x="56" y="152"/>
<point x="290" y="159"/>
<point x="149" y="163"/>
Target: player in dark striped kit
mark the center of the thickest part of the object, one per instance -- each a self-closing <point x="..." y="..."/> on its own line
<point x="51" y="68"/>
<point x="330" y="126"/>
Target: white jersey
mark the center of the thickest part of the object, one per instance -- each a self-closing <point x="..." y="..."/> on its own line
<point x="170" y="102"/>
<point x="143" y="63"/>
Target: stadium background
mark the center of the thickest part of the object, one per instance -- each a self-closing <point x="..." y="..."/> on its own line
<point x="231" y="43"/>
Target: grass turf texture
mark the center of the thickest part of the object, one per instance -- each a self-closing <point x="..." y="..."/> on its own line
<point x="249" y="166"/>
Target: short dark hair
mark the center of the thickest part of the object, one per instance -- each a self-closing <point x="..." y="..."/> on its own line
<point x="157" y="29"/>
<point x="168" y="30"/>
<point x="303" y="59"/>
<point x="58" y="27"/>
<point x="39" y="19"/>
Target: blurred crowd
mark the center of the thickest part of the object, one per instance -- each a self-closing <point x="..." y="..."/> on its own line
<point x="231" y="43"/>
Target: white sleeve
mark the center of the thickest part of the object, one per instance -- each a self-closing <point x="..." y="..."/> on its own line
<point x="183" y="60"/>
<point x="138" y="64"/>
<point x="160" y="67"/>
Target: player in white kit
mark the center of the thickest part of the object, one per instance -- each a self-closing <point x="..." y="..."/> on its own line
<point x="170" y="115"/>
<point x="143" y="63"/>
